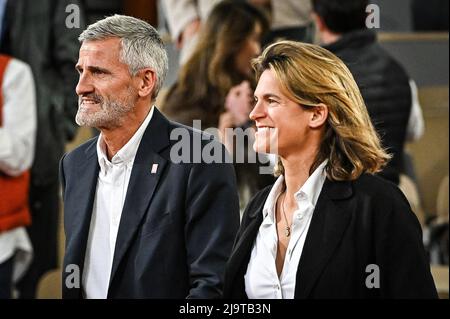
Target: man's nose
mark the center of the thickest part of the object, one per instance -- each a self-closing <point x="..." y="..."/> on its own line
<point x="84" y="85"/>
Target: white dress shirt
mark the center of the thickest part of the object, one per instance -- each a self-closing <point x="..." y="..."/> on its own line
<point x="112" y="186"/>
<point x="17" y="138"/>
<point x="261" y="278"/>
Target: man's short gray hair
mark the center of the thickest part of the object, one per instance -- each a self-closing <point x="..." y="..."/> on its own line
<point x="142" y="46"/>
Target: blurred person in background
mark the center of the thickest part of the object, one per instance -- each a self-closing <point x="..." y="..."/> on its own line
<point x="389" y="93"/>
<point x="184" y="19"/>
<point x="221" y="61"/>
<point x="289" y="19"/>
<point x="17" y="139"/>
<point x="37" y="33"/>
<point x="216" y="84"/>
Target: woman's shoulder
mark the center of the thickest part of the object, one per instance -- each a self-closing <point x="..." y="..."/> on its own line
<point x="376" y="186"/>
<point x="384" y="197"/>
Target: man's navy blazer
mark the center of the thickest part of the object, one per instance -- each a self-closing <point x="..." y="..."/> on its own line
<point x="177" y="225"/>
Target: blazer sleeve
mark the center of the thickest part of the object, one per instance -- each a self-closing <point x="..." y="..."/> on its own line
<point x="212" y="220"/>
<point x="403" y="263"/>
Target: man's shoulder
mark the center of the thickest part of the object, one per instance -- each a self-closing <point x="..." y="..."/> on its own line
<point x="81" y="151"/>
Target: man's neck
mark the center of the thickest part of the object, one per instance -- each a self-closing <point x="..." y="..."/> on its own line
<point x="117" y="137"/>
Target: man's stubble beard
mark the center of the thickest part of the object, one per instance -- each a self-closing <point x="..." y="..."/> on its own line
<point x="111" y="114"/>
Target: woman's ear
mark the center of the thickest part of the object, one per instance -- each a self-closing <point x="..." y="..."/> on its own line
<point x="147" y="82"/>
<point x="319" y="115"/>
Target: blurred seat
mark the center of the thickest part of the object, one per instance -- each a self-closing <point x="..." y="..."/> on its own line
<point x="442" y="201"/>
<point x="425" y="57"/>
<point x="431" y="152"/>
<point x="437" y="231"/>
<point x="49" y="286"/>
<point x="440" y="276"/>
<point x="409" y="188"/>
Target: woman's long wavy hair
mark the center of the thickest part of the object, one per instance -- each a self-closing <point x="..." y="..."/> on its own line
<point x="310" y="75"/>
<point x="211" y="71"/>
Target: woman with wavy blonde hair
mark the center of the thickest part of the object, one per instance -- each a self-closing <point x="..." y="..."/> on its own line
<point x="328" y="227"/>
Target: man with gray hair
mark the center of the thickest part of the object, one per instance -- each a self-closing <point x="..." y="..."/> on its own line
<point x="138" y="224"/>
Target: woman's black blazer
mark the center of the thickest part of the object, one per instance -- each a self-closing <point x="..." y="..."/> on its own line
<point x="364" y="241"/>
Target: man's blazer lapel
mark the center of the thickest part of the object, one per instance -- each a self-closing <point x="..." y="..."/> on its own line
<point x="142" y="184"/>
<point x="329" y="222"/>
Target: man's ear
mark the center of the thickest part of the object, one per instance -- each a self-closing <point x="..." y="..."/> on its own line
<point x="146" y="82"/>
<point x="319" y="116"/>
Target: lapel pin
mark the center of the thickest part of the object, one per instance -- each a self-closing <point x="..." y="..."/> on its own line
<point x="154" y="168"/>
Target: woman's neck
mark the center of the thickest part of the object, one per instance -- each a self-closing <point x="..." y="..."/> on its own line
<point x="296" y="171"/>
